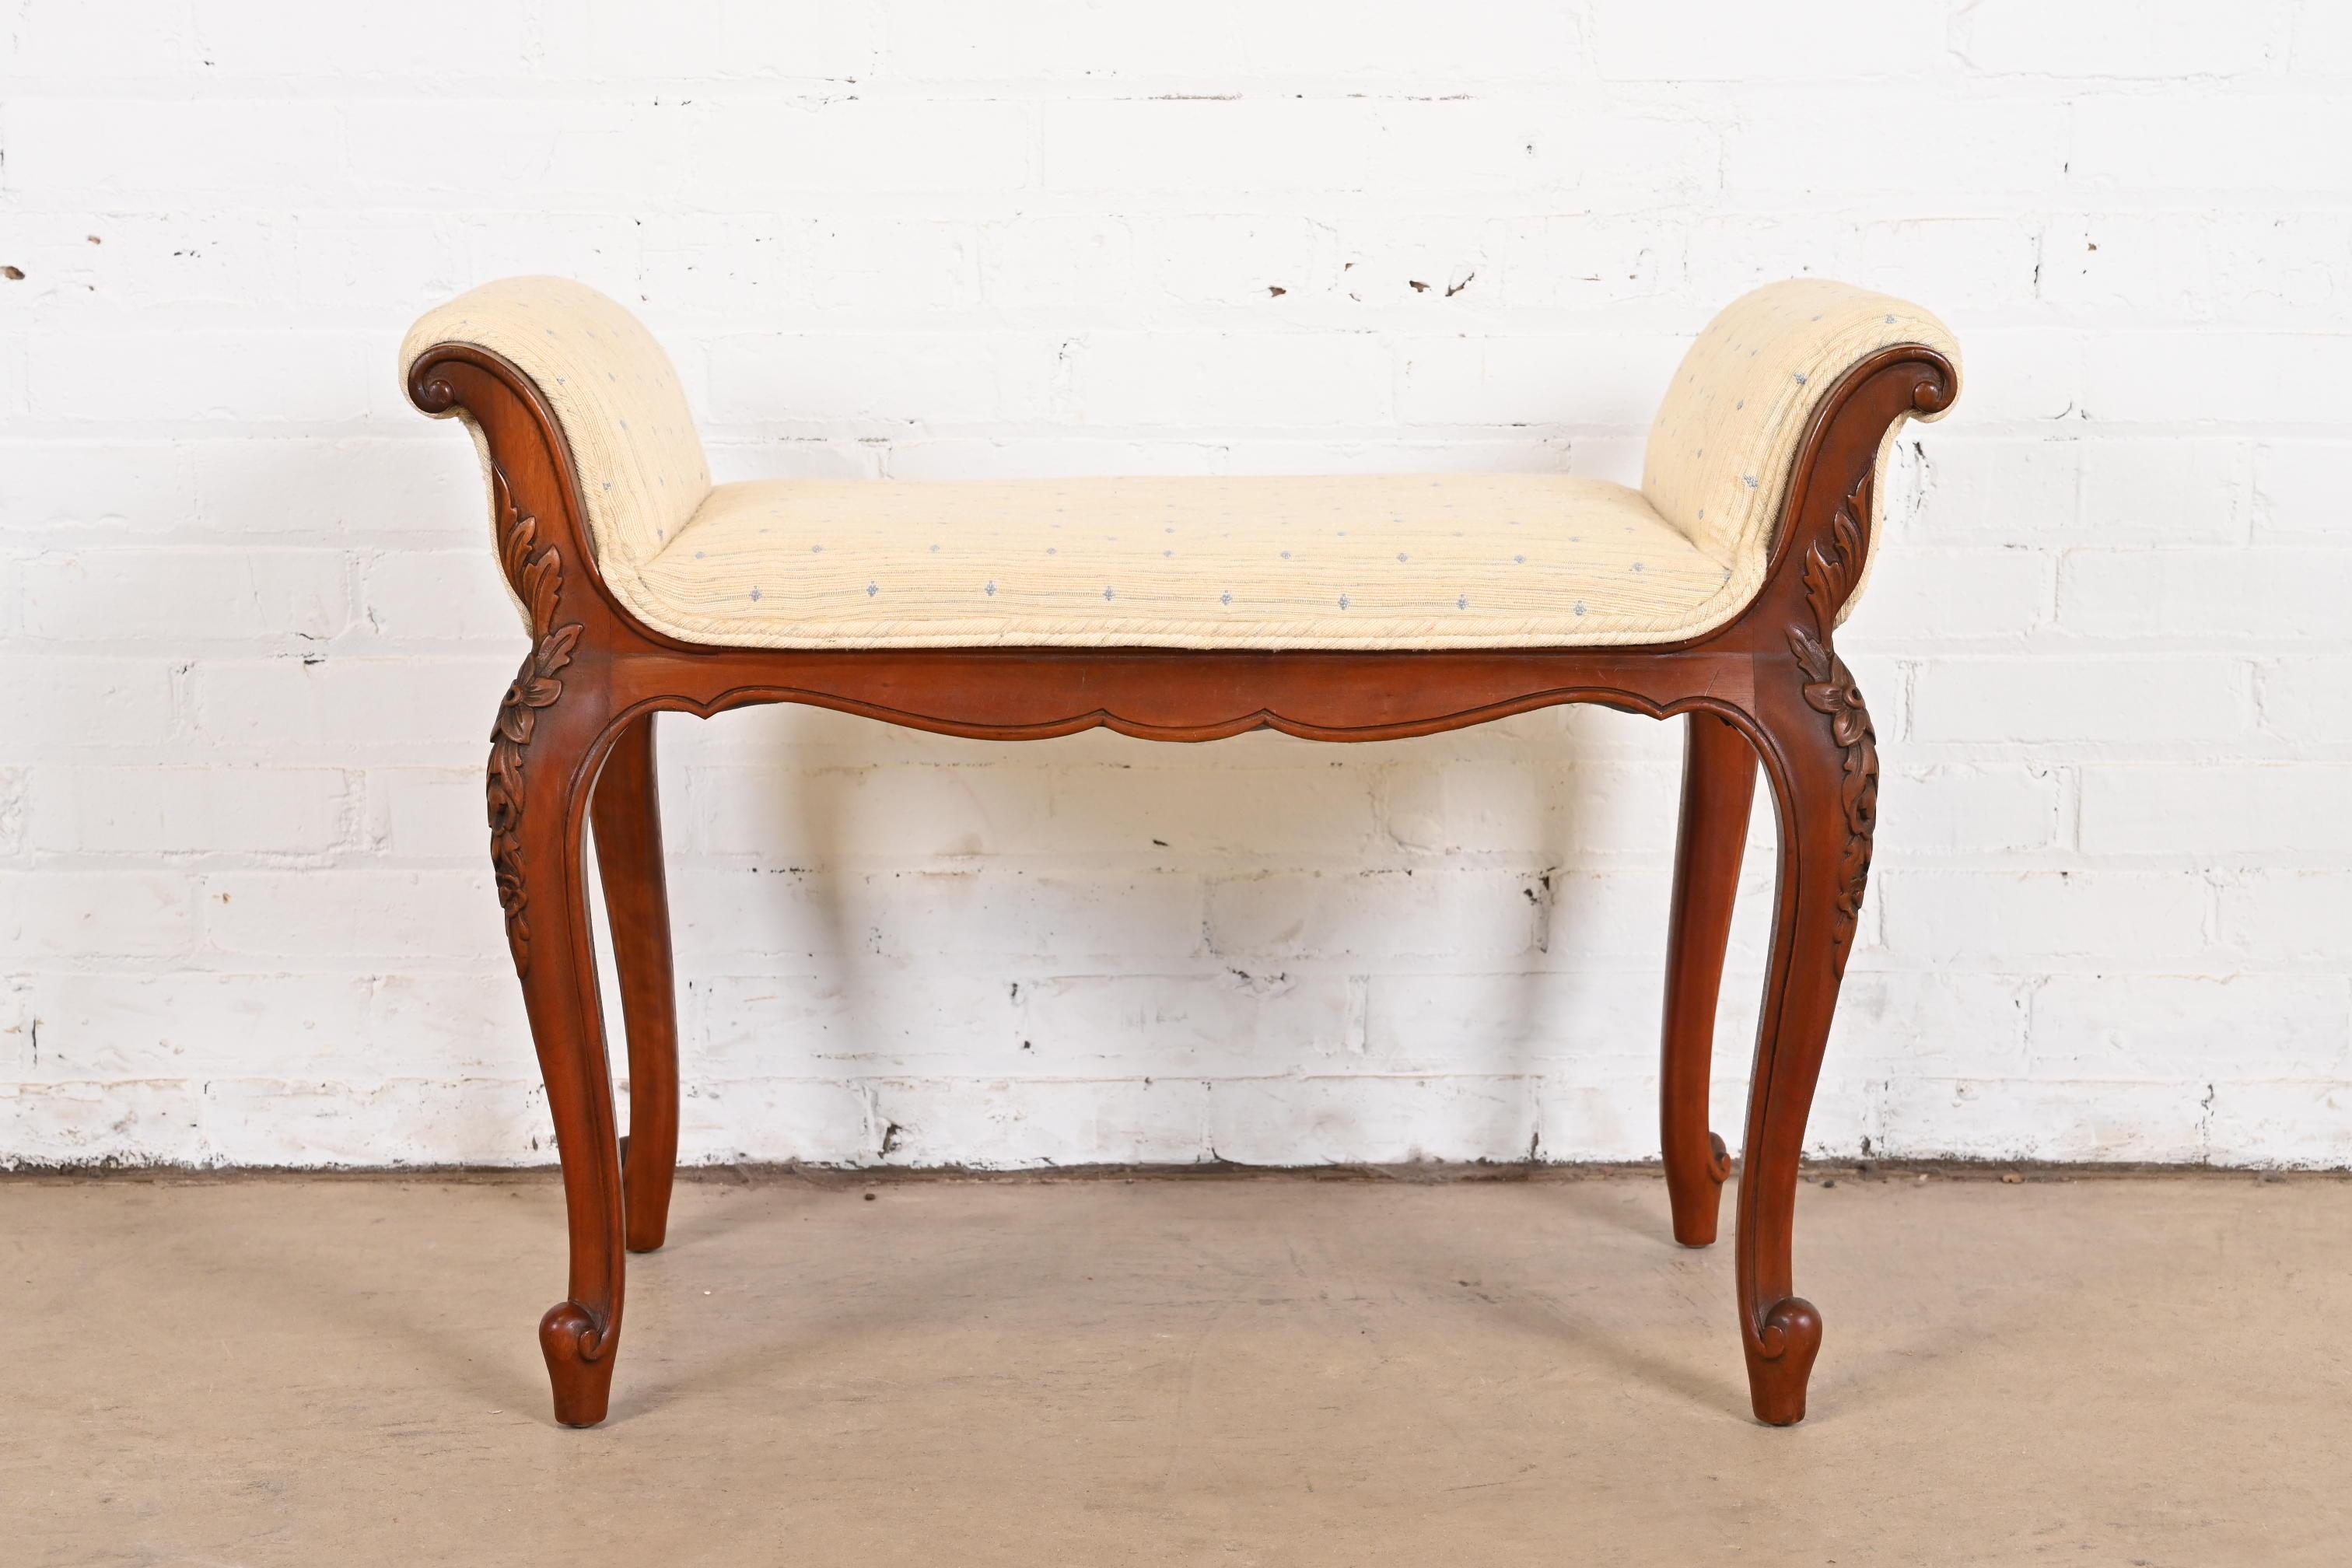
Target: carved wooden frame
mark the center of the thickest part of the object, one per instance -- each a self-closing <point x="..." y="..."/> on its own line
<point x="573" y="739"/>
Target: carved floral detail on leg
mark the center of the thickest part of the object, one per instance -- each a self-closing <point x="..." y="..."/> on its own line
<point x="538" y="580"/>
<point x="1830" y="690"/>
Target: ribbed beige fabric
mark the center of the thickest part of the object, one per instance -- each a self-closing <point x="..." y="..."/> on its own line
<point x="1456" y="561"/>
<point x="1415" y="562"/>
<point x="612" y="391"/>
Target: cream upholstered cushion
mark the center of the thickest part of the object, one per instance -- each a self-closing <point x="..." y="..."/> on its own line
<point x="1456" y="561"/>
<point x="1414" y="561"/>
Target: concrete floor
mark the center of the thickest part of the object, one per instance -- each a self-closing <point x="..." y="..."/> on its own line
<point x="1276" y="1371"/>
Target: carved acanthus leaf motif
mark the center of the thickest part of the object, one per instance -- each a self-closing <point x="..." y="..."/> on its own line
<point x="1830" y="690"/>
<point x="538" y="580"/>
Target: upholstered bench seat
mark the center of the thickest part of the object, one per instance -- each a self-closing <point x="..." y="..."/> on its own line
<point x="1367" y="608"/>
<point x="1426" y="561"/>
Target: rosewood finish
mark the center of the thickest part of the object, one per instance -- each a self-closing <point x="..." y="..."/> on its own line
<point x="572" y="748"/>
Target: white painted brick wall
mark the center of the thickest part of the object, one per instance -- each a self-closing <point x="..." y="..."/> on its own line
<point x="250" y="636"/>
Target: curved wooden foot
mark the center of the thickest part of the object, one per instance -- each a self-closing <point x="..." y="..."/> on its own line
<point x="1781" y="1361"/>
<point x="579" y="1367"/>
<point x="627" y="812"/>
<point x="1695" y="1192"/>
<point x="1718" y="789"/>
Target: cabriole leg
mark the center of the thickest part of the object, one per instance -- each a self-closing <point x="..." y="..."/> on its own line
<point x="626" y="813"/>
<point x="1718" y="788"/>
<point x="1823" y="763"/>
<point x="540" y="768"/>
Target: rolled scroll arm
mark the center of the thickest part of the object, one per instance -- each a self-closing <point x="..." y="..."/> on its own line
<point x="607" y="403"/>
<point x="1728" y="452"/>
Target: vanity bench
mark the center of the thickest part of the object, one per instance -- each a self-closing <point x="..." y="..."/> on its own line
<point x="1185" y="609"/>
